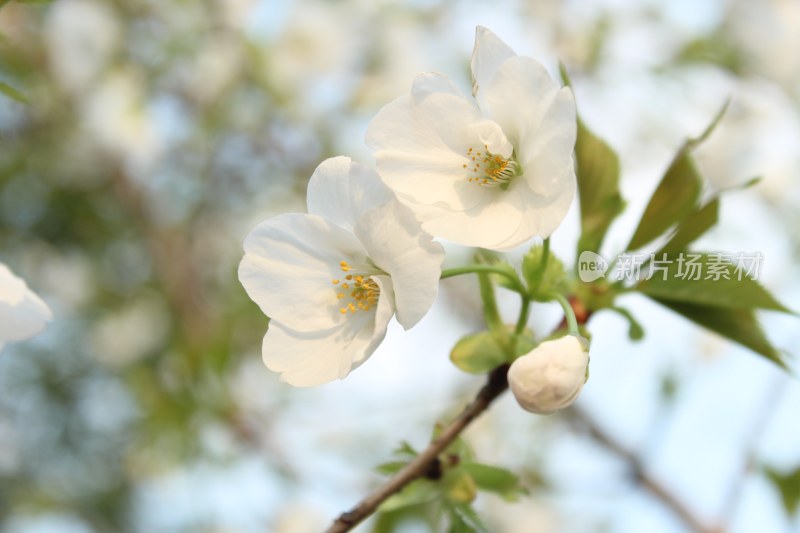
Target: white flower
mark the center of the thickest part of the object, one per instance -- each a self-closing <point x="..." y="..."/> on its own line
<point x="331" y="280"/>
<point x="22" y="313"/>
<point x="493" y="171"/>
<point x="551" y="376"/>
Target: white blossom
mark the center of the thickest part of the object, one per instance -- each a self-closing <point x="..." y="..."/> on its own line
<point x="551" y="376"/>
<point x="490" y="171"/>
<point x="331" y="280"/>
<point x="22" y="313"/>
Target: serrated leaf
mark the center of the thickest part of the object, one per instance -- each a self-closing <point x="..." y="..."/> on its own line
<point x="677" y="194"/>
<point x="673" y="200"/>
<point x="495" y="479"/>
<point x="789" y="487"/>
<point x="12" y="93"/>
<point x="719" y="283"/>
<point x="597" y="170"/>
<point x="693" y="226"/>
<point x="738" y="325"/>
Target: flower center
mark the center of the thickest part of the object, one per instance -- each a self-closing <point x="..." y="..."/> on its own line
<point x="356" y="291"/>
<point x="490" y="170"/>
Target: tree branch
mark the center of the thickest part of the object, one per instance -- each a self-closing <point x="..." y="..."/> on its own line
<point x="497" y="383"/>
<point x="653" y="486"/>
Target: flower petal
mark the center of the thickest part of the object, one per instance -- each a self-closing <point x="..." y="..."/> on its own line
<point x="519" y="96"/>
<point x="487" y="56"/>
<point x="544" y="151"/>
<point x="306" y="359"/>
<point x="289" y="263"/>
<point x="22" y="313"/>
<point x="397" y="245"/>
<point x="433" y="82"/>
<point x="341" y="190"/>
<point x="421" y="149"/>
<point x="487" y="225"/>
<point x="543" y="213"/>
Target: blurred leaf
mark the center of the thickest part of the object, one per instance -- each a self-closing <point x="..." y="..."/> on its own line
<point x="541" y="283"/>
<point x="35" y="2"/>
<point x="464" y="519"/>
<point x="716" y="49"/>
<point x="738" y="325"/>
<point x="478" y="353"/>
<point x="482" y="352"/>
<point x="789" y="487"/>
<point x="720" y="284"/>
<point x="495" y="479"/>
<point x="597" y="169"/>
<point x="392" y="467"/>
<point x="693" y="226"/>
<point x="677" y="194"/>
<point x="419" y="492"/>
<point x="11" y="92"/>
<point x="635" y="330"/>
<point x="459" y="486"/>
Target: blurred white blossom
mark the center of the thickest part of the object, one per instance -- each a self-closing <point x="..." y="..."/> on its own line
<point x="22" y="313"/>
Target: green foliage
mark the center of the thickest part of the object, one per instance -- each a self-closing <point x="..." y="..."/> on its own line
<point x="720" y="284"/>
<point x="597" y="169"/>
<point x="482" y="352"/>
<point x="789" y="487"/>
<point x="693" y="226"/>
<point x="494" y="479"/>
<point x="677" y="194"/>
<point x="738" y="325"/>
<point x="635" y="330"/>
<point x="12" y="93"/>
<point x="544" y="273"/>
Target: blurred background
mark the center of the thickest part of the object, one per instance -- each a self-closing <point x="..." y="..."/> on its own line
<point x="156" y="134"/>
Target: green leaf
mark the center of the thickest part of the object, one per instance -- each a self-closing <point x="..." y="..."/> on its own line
<point x="392" y="467"/>
<point x="483" y="352"/>
<point x="676" y="196"/>
<point x="419" y="492"/>
<point x="495" y="479"/>
<point x="459" y="486"/>
<point x="635" y="330"/>
<point x="738" y="325"/>
<point x="597" y="169"/>
<point x="12" y="93"/>
<point x="464" y="519"/>
<point x="789" y="487"/>
<point x="693" y="226"/>
<point x="36" y="2"/>
<point x="542" y="282"/>
<point x="478" y="353"/>
<point x="719" y="283"/>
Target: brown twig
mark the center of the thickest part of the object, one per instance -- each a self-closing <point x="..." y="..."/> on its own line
<point x="639" y="472"/>
<point x="417" y="468"/>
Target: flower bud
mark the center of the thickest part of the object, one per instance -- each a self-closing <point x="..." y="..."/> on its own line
<point x="551" y="376"/>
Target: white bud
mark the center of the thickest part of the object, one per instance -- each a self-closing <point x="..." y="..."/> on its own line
<point x="551" y="376"/>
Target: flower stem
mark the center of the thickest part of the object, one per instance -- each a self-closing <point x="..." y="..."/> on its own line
<point x="569" y="314"/>
<point x="488" y="269"/>
<point x="524" y="312"/>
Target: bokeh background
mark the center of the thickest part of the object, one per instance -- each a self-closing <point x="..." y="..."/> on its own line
<point x="156" y="134"/>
